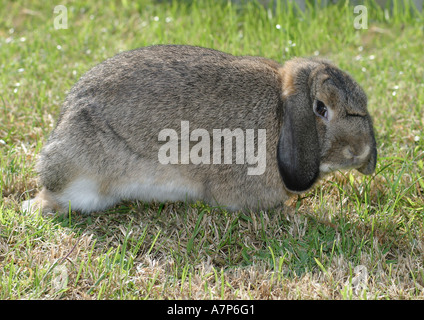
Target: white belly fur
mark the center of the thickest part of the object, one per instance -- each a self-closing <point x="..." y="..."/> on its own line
<point x="84" y="192"/>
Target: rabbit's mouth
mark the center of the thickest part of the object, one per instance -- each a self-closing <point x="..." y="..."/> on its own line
<point x="365" y="170"/>
<point x="369" y="166"/>
<point x="364" y="161"/>
<point x="358" y="164"/>
<point x="326" y="168"/>
<point x="366" y="165"/>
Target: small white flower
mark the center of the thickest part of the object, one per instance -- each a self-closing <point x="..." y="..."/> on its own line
<point x="416" y="138"/>
<point x="364" y="69"/>
<point x="59" y="47"/>
<point x="372" y="57"/>
<point x="361" y="48"/>
<point x="278" y="26"/>
<point x="20" y="70"/>
<point x="156" y="18"/>
<point x="168" y="19"/>
<point x="393" y="93"/>
<point x="316" y="53"/>
<point x="22" y="39"/>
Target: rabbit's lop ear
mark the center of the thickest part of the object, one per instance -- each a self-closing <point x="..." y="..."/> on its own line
<point x="298" y="151"/>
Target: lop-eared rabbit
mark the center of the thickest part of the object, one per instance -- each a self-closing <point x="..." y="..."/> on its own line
<point x="106" y="146"/>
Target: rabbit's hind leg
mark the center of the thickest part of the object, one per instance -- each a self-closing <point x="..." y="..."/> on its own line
<point x="83" y="194"/>
<point x="44" y="202"/>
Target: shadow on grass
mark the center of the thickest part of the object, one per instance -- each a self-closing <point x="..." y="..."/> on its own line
<point x="288" y="240"/>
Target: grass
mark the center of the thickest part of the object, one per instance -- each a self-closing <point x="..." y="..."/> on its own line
<point x="309" y="249"/>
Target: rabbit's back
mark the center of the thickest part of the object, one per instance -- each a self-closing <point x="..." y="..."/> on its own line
<point x="152" y="88"/>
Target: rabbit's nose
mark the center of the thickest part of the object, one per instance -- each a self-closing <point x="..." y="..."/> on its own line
<point x="357" y="154"/>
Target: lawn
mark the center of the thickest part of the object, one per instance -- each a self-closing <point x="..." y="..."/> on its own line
<point x="351" y="237"/>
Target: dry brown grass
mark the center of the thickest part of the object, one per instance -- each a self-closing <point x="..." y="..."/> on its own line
<point x="163" y="260"/>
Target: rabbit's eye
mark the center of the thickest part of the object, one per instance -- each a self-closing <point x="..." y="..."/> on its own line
<point x="320" y="109"/>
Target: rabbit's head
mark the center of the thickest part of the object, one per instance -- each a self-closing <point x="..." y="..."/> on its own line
<point x="326" y="125"/>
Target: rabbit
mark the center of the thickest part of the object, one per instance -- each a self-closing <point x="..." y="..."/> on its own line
<point x="105" y="146"/>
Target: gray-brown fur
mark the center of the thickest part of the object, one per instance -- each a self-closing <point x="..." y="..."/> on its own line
<point x="109" y="124"/>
